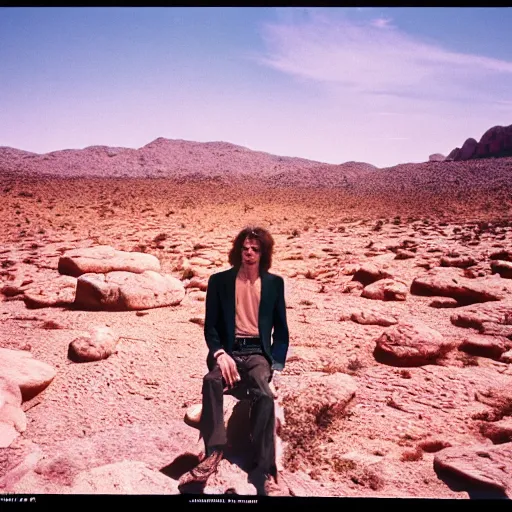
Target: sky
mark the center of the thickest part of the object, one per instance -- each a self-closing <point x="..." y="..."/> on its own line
<point x="378" y="85"/>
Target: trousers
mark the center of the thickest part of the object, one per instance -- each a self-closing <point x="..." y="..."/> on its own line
<point x="255" y="375"/>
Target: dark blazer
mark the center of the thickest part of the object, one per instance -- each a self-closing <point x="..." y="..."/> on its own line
<point x="219" y="324"/>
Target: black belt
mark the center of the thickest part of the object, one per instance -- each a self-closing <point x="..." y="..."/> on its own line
<point x="241" y="343"/>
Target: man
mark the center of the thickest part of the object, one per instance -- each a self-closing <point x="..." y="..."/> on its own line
<point x="246" y="332"/>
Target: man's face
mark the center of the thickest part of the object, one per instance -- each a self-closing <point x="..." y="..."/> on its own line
<point x="251" y="252"/>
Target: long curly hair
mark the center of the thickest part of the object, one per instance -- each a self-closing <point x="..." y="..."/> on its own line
<point x="253" y="233"/>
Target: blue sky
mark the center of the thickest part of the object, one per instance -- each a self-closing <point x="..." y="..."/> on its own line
<point x="377" y="85"/>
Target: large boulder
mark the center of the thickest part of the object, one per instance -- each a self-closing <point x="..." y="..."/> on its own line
<point x="496" y="141"/>
<point x="122" y="291"/>
<point x="467" y="150"/>
<point x="102" y="259"/>
<point x="411" y="344"/>
<point x="32" y="376"/>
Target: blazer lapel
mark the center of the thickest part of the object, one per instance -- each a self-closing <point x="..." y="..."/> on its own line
<point x="264" y="291"/>
<point x="229" y="297"/>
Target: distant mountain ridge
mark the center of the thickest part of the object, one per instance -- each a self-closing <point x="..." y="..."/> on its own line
<point x="175" y="158"/>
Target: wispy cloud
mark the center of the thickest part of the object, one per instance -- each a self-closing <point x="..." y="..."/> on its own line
<point x="375" y="57"/>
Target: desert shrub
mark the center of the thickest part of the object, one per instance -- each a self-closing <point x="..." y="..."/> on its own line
<point x="354" y="365"/>
<point x="412" y="455"/>
<point x="378" y="225"/>
<point x="308" y="419"/>
<point x="358" y="474"/>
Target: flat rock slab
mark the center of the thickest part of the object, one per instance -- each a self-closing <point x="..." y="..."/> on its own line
<point x="477" y="315"/>
<point x="126" y="477"/>
<point x="449" y="283"/>
<point x="103" y="259"/>
<point x="31" y="375"/>
<point x="156" y="446"/>
<point x="481" y="465"/>
<point x="498" y="431"/>
<point x="122" y="291"/>
<point x="57" y="292"/>
<point x="484" y="346"/>
<point x="373" y="317"/>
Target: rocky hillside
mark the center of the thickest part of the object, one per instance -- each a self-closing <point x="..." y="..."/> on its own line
<point x="177" y="159"/>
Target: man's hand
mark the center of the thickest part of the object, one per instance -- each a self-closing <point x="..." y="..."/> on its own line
<point x="227" y="366"/>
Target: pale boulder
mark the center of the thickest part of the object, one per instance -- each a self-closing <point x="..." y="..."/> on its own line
<point x="122" y="291"/>
<point x="102" y="259"/>
<point x="31" y="375"/>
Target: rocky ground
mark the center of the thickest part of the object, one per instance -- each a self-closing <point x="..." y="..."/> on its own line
<point x="399" y="372"/>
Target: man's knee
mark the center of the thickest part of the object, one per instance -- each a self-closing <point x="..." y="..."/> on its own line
<point x="264" y="395"/>
<point x="213" y="378"/>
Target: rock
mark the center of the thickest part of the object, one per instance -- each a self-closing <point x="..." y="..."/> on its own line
<point x="467" y="150"/>
<point x="197" y="282"/>
<point x="452" y="155"/>
<point x="482" y="465"/>
<point x="59" y="292"/>
<point x="103" y="259"/>
<point x="496" y="141"/>
<point x="385" y="289"/>
<point x="447" y="283"/>
<point x="459" y="262"/>
<point x="444" y="302"/>
<point x="314" y="400"/>
<point x="372" y="317"/>
<point x="236" y="420"/>
<point x="369" y="273"/>
<point x="11" y="414"/>
<point x="200" y="262"/>
<point x="121" y="291"/>
<point x="498" y="397"/>
<point x="352" y="287"/>
<point x="503" y="254"/>
<point x="436" y="157"/>
<point x="411" y="344"/>
<point x="7" y="434"/>
<point x="99" y="344"/>
<point x="157" y="446"/>
<point x="477" y="315"/>
<point x="498" y="431"/>
<point x="503" y="268"/>
<point x="31" y="375"/>
<point x="484" y="346"/>
<point x="493" y="329"/>
<point x="10" y="392"/>
<point x="403" y="254"/>
<point x="125" y="477"/>
<point x="506" y="357"/>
